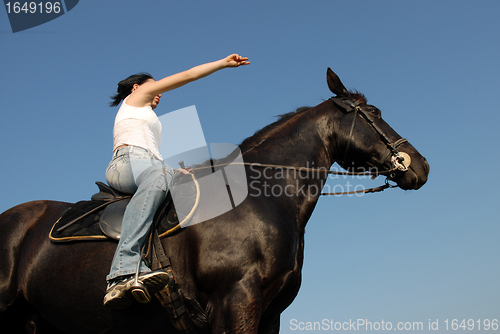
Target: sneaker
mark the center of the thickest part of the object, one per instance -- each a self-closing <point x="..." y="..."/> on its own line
<point x="147" y="285"/>
<point x="117" y="294"/>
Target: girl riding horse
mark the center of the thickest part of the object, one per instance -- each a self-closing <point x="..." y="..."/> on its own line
<point x="137" y="168"/>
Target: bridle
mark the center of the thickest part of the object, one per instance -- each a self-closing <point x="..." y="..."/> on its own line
<point x="400" y="161"/>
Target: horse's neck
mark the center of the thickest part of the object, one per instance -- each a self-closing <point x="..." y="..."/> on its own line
<point x="302" y="142"/>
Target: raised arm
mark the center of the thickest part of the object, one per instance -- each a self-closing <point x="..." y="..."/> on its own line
<point x="144" y="94"/>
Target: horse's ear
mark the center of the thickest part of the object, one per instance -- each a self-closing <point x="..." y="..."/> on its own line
<point x="335" y="84"/>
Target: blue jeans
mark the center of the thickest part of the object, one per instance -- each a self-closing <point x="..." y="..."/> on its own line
<point x="135" y="170"/>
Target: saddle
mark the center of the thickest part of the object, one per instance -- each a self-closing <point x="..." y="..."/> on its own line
<point x="101" y="217"/>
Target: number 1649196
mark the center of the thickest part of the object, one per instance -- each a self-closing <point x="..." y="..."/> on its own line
<point x="33" y="7"/>
<point x="471" y="324"/>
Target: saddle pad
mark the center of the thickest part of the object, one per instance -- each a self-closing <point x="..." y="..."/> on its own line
<point x="86" y="228"/>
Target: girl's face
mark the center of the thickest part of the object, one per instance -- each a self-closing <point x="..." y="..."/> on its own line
<point x="155" y="102"/>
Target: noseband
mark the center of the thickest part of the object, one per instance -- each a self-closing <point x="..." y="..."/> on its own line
<point x="400" y="160"/>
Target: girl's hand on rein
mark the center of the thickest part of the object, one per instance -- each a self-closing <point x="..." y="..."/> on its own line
<point x="185" y="171"/>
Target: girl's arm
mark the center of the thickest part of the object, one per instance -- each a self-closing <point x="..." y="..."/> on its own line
<point x="144" y="94"/>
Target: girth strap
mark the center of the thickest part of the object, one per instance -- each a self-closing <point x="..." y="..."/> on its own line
<point x="159" y="252"/>
<point x="169" y="297"/>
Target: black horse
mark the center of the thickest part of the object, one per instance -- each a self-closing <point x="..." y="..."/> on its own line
<point x="236" y="272"/>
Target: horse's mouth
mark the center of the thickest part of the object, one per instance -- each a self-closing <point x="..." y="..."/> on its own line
<point x="414" y="178"/>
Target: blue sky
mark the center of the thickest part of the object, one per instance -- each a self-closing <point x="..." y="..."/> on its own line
<point x="430" y="66"/>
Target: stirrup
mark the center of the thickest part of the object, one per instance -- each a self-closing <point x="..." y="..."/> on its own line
<point x="142" y="287"/>
<point x="140" y="292"/>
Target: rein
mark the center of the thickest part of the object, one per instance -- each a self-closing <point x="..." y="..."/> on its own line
<point x="322" y="170"/>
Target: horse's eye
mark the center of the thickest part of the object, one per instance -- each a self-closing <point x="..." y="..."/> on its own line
<point x="376" y="113"/>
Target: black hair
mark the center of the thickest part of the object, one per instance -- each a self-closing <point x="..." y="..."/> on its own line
<point x="125" y="87"/>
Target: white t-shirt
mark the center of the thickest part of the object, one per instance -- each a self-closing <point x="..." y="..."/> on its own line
<point x="137" y="127"/>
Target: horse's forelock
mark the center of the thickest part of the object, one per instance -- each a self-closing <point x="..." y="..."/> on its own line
<point x="358" y="97"/>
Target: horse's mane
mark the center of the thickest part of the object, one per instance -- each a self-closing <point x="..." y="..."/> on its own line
<point x="253" y="141"/>
<point x="283" y="120"/>
<point x="271" y="129"/>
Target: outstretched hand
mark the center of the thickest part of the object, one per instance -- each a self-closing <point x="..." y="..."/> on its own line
<point x="236" y="60"/>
